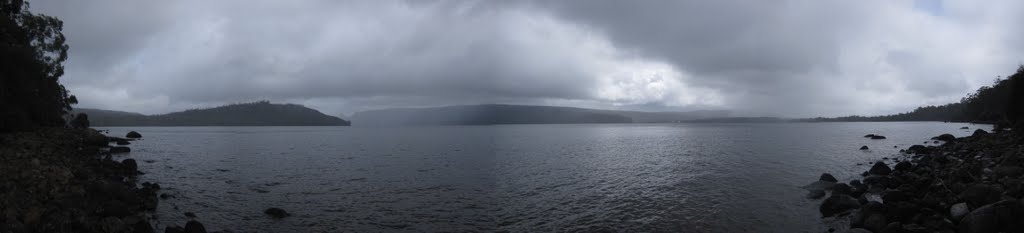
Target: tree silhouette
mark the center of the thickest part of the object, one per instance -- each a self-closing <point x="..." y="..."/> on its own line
<point x="32" y="53"/>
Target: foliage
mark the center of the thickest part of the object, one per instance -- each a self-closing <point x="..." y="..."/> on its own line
<point x="999" y="104"/>
<point x="32" y="51"/>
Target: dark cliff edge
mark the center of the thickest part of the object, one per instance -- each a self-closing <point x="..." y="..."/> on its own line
<point x="260" y="113"/>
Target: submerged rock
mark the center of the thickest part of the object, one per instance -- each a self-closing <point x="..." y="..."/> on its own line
<point x="965" y="127"/>
<point x="815" y="194"/>
<point x="133" y="134"/>
<point x="276" y="212"/>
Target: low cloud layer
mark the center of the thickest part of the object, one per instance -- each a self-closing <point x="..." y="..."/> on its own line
<point x="780" y="58"/>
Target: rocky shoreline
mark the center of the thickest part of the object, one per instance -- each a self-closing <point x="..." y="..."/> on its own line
<point x="972" y="184"/>
<point x="67" y="180"/>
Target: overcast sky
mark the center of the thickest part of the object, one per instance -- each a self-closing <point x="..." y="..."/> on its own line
<point x="779" y="58"/>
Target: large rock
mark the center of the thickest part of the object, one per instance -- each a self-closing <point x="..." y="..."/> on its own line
<point x="904" y="166"/>
<point x="120" y="149"/>
<point x="958" y="210"/>
<point x="875" y="222"/>
<point x="133" y="134"/>
<point x="194" y="227"/>
<point x="981" y="194"/>
<point x="276" y="212"/>
<point x="879" y="168"/>
<point x="945" y="137"/>
<point x="836" y="204"/>
<point x="979" y="132"/>
<point x="918" y="149"/>
<point x="1003" y="216"/>
<point x="827" y="177"/>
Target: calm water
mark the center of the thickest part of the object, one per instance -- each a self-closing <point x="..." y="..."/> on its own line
<point x="519" y="178"/>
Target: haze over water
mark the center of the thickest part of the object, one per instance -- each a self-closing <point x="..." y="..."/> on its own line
<point x="519" y="178"/>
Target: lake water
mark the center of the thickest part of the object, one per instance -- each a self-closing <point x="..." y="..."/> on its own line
<point x="517" y="178"/>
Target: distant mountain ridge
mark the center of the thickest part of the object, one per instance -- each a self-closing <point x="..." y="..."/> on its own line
<point x="496" y="114"/>
<point x="262" y="113"/>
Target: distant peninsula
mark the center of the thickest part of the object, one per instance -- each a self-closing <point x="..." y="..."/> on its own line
<point x="498" y="114"/>
<point x="261" y="113"/>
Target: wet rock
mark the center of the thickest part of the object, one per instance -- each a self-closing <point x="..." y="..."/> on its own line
<point x="842" y="189"/>
<point x="857" y="230"/>
<point x="122" y="142"/>
<point x="174" y="229"/>
<point x="869" y="135"/>
<point x="827" y="177"/>
<point x="894" y="227"/>
<point x="143" y="226"/>
<point x="836" y="204"/>
<point x="190" y="214"/>
<point x="1007" y="170"/>
<point x="981" y="194"/>
<point x="120" y="149"/>
<point x="918" y="149"/>
<point x="876" y="137"/>
<point x="94" y="138"/>
<point x="894" y="196"/>
<point x="875" y="222"/>
<point x="864" y="147"/>
<point x="194" y="226"/>
<point x="165" y="196"/>
<point x="1003" y="216"/>
<point x="130" y="165"/>
<point x="965" y="127"/>
<point x="133" y="135"/>
<point x="904" y="166"/>
<point x="945" y="137"/>
<point x="276" y="213"/>
<point x="815" y="194"/>
<point x="879" y="168"/>
<point x="958" y="210"/>
<point x="979" y="132"/>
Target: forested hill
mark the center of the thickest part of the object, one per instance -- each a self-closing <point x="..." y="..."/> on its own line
<point x="261" y="113"/>
<point x="1002" y="103"/>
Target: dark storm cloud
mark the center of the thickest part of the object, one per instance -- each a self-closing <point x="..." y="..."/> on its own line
<point x="787" y="58"/>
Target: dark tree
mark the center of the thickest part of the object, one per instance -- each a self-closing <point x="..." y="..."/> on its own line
<point x="32" y="53"/>
<point x="81" y="121"/>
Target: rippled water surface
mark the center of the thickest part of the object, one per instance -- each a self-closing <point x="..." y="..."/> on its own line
<point x="519" y="178"/>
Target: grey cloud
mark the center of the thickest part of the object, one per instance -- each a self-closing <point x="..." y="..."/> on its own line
<point x="784" y="58"/>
